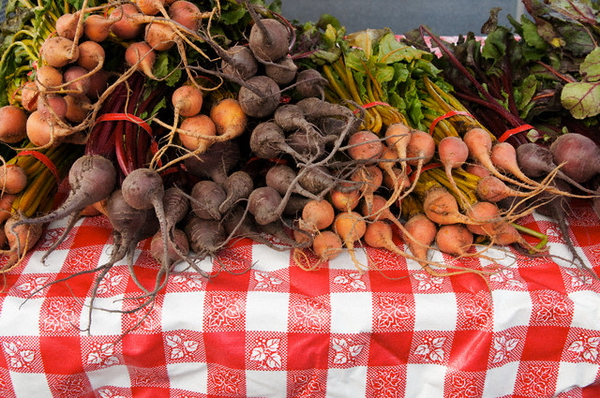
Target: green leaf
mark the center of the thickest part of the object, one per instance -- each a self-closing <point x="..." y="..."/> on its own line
<point x="590" y="67"/>
<point x="494" y="47"/>
<point x="366" y="40"/>
<point x="384" y="73"/>
<point x="525" y="92"/>
<point x="422" y="68"/>
<point x="397" y="101"/>
<point x="164" y="69"/>
<point x="162" y="104"/>
<point x="321" y="57"/>
<point x="401" y="73"/>
<point x="232" y="17"/>
<point x="275" y="6"/>
<point x="328" y="19"/>
<point x="391" y="50"/>
<point x="582" y="11"/>
<point x="582" y="99"/>
<point x="394" y="91"/>
<point x="331" y="36"/>
<point x="576" y="39"/>
<point x="360" y="81"/>
<point x="78" y="4"/>
<point x="355" y="59"/>
<point x="531" y="35"/>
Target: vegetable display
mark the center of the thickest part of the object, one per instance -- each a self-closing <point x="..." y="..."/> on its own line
<point x="217" y="120"/>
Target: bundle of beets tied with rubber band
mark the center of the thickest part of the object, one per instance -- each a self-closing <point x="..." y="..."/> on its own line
<point x="216" y="121"/>
<point x="534" y="85"/>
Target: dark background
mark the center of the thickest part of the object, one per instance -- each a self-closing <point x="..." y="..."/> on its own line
<point x="2" y="10"/>
<point x="443" y="16"/>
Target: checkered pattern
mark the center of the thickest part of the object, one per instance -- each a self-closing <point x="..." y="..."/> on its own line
<point x="280" y="331"/>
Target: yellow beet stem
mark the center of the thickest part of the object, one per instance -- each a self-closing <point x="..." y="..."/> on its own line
<point x="542" y="237"/>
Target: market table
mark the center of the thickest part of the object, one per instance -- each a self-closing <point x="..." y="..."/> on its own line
<point x="267" y="327"/>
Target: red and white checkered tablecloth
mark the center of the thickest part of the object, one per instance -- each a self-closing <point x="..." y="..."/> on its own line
<point x="281" y="331"/>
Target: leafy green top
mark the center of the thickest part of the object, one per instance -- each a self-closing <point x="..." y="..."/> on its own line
<point x="543" y="69"/>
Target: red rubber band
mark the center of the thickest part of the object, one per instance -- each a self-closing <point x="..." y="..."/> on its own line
<point x="371" y="105"/>
<point x="45" y="160"/>
<point x="108" y="117"/>
<point x="169" y="170"/>
<point x="428" y="166"/>
<point x="375" y="103"/>
<point x="508" y="133"/>
<point x="446" y="116"/>
<point x="154" y="151"/>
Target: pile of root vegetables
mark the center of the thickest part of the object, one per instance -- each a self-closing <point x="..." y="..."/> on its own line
<point x="213" y="121"/>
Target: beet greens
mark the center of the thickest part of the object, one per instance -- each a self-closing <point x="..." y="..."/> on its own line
<point x="539" y="71"/>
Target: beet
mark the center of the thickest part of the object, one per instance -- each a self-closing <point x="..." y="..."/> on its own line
<point x="580" y="155"/>
<point x="316" y="179"/>
<point x="283" y="71"/>
<point x="238" y="186"/>
<point x="259" y="97"/>
<point x="205" y="236"/>
<point x="207" y="197"/>
<point x="310" y="83"/>
<point x="283" y="178"/>
<point x="268" y="141"/>
<point x="269" y="39"/>
<point x="239" y="61"/>
<point x="92" y="178"/>
<point x="216" y="162"/>
<point x="537" y="161"/>
<point x="264" y="204"/>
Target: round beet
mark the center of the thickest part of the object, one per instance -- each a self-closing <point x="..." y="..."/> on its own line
<point x="578" y="154"/>
<point x="259" y="97"/>
<point x="269" y="39"/>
